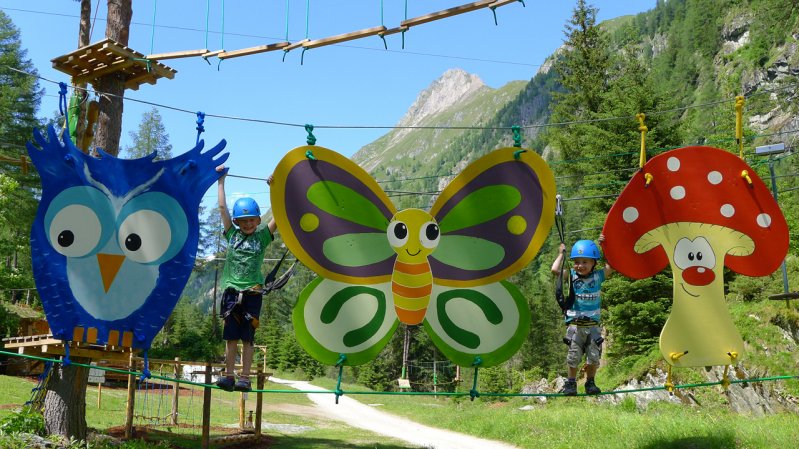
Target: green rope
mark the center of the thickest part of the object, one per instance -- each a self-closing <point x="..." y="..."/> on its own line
<point x="517" y="136"/>
<point x="311" y="138"/>
<point x="338" y="391"/>
<point x="287" y="20"/>
<point x="307" y="15"/>
<point x="406" y="18"/>
<point x="340" y="364"/>
<point x="207" y="16"/>
<point x="152" y="35"/>
<point x="473" y="393"/>
<point x="382" y="36"/>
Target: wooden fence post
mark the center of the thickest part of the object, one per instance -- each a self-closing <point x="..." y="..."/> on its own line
<point x="259" y="403"/>
<point x="131" y="398"/>
<point x="206" y="437"/>
<point x="176" y="391"/>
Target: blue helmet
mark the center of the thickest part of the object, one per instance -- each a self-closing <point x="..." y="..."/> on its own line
<point x="585" y="248"/>
<point x="246" y="207"/>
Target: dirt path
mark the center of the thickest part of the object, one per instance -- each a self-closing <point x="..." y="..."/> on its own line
<point x="356" y="414"/>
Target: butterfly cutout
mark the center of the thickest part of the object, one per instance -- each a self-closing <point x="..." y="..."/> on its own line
<point x="445" y="269"/>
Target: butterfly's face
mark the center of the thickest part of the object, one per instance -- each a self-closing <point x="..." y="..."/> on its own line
<point x="413" y="234"/>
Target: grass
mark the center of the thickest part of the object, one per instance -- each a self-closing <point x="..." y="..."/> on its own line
<point x="281" y="411"/>
<point x="587" y="422"/>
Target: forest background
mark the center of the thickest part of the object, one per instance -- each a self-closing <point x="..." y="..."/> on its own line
<point x="675" y="63"/>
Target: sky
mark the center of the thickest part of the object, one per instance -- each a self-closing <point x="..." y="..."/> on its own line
<point x="354" y="84"/>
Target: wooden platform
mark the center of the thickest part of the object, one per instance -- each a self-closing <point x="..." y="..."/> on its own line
<point x="90" y="63"/>
<point x="48" y="346"/>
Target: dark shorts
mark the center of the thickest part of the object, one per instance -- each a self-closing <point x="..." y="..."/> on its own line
<point x="241" y="320"/>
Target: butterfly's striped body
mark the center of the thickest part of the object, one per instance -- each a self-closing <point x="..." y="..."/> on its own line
<point x="411" y="284"/>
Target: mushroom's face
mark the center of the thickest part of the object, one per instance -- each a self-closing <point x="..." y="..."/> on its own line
<point x="696" y="252"/>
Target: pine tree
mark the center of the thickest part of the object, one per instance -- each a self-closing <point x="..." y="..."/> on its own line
<point x="20" y="97"/>
<point x="151" y="137"/>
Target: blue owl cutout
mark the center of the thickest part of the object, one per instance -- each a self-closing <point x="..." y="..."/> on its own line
<point x="114" y="240"/>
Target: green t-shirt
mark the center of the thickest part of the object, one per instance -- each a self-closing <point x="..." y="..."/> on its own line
<point x="245" y="255"/>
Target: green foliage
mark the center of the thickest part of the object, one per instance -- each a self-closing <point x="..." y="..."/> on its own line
<point x="637" y="311"/>
<point x="26" y="420"/>
<point x="151" y="137"/>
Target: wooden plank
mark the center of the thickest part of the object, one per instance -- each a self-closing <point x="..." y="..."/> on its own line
<point x="88" y="353"/>
<point x="177" y="54"/>
<point x="395" y="30"/>
<point x="213" y="53"/>
<point x="290" y="47"/>
<point x="499" y="3"/>
<point x="344" y="37"/>
<point x="253" y="50"/>
<point x="469" y="7"/>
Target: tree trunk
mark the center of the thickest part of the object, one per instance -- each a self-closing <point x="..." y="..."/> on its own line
<point x="65" y="402"/>
<point x="84" y="35"/>
<point x="109" y="122"/>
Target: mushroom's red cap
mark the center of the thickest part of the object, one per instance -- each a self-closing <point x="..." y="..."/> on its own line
<point x="695" y="185"/>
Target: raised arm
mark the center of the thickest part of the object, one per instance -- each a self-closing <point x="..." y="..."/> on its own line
<point x="608" y="269"/>
<point x="227" y="222"/>
<point x="272" y="225"/>
<point x="556" y="266"/>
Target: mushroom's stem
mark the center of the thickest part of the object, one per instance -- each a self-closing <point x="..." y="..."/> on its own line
<point x="700" y="328"/>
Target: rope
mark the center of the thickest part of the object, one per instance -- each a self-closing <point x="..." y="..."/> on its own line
<point x="62" y="102"/>
<point x="207" y="17"/>
<point x="200" y="128"/>
<point x="410" y="393"/>
<point x="531" y="126"/>
<point x="152" y="35"/>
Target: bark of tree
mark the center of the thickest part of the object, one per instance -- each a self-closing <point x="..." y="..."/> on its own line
<point x="65" y="402"/>
<point x="109" y="122"/>
<point x="84" y="35"/>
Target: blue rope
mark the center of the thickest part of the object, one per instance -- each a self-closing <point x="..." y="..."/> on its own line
<point x="145" y="374"/>
<point x="62" y="101"/>
<point x="200" y="127"/>
<point x="66" y="361"/>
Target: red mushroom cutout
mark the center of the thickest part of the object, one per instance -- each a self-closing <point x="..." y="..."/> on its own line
<point x="704" y="208"/>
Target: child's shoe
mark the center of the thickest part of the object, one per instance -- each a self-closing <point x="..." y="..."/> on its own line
<point x="243" y="384"/>
<point x="569" y="388"/>
<point x="591" y="388"/>
<point x="225" y="383"/>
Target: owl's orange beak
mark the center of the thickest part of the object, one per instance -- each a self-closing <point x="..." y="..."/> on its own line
<point x="109" y="267"/>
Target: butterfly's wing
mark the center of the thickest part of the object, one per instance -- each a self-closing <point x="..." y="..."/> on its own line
<point x="332" y="318"/>
<point x="333" y="216"/>
<point x="493" y="219"/>
<point x="488" y="323"/>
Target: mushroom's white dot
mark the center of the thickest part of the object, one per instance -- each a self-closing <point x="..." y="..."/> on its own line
<point x="677" y="192"/>
<point x="714" y="177"/>
<point x="764" y="220"/>
<point x="727" y="210"/>
<point x="630" y="214"/>
<point x="673" y="164"/>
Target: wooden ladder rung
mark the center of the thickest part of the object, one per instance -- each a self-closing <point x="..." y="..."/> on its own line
<point x="253" y="50"/>
<point x="177" y="54"/>
<point x="297" y="44"/>
<point x="212" y="53"/>
<point x="344" y="37"/>
<point x="446" y="13"/>
<point x="395" y="30"/>
<point x="499" y="3"/>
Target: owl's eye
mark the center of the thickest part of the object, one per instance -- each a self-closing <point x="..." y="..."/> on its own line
<point x="144" y="236"/>
<point x="75" y="231"/>
<point x="429" y="234"/>
<point x="397" y="234"/>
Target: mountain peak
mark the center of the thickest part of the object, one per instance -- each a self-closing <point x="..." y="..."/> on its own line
<point x="452" y="87"/>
